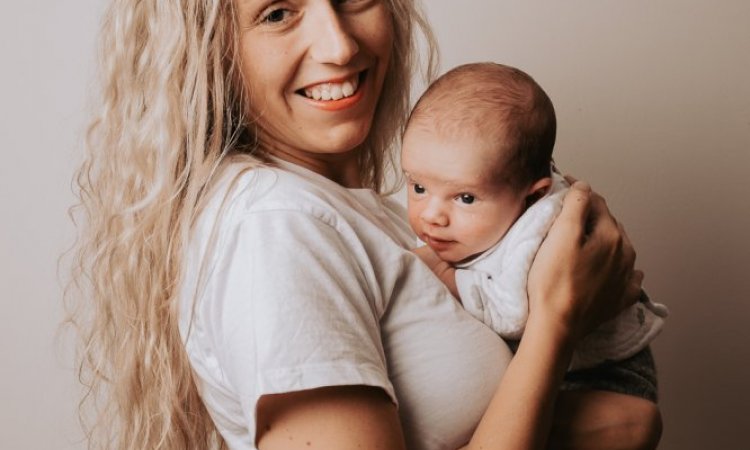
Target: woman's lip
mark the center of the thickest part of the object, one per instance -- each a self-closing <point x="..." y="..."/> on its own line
<point x="342" y="103"/>
<point x="341" y="79"/>
<point x="336" y="105"/>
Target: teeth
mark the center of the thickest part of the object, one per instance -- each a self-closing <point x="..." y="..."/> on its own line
<point x="347" y="89"/>
<point x="333" y="91"/>
<point x="336" y="93"/>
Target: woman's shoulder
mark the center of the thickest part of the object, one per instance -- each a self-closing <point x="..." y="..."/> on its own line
<point x="241" y="190"/>
<point x="286" y="192"/>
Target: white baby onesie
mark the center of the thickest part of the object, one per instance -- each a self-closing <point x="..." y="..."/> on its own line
<point x="492" y="288"/>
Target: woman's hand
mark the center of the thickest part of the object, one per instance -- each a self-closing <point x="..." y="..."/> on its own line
<point x="583" y="273"/>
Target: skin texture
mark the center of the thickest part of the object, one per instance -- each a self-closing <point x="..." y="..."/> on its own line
<point x="366" y="417"/>
<point x="291" y="45"/>
<point x="634" y="424"/>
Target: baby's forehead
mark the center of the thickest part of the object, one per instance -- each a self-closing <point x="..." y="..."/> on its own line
<point x="489" y="150"/>
<point x="472" y="172"/>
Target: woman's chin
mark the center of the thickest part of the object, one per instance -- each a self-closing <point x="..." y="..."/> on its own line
<point x="342" y="139"/>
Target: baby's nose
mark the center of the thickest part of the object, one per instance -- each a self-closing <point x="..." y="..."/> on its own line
<point x="435" y="214"/>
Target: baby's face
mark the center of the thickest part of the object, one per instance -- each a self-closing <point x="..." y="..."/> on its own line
<point x="454" y="207"/>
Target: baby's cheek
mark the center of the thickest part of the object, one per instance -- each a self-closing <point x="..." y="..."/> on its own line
<point x="413" y="217"/>
<point x="487" y="233"/>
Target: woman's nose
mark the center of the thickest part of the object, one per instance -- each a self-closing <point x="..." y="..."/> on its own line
<point x="331" y="42"/>
<point x="434" y="214"/>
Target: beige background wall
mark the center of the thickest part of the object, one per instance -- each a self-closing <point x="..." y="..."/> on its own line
<point x="653" y="103"/>
<point x="653" y="100"/>
<point x="46" y="50"/>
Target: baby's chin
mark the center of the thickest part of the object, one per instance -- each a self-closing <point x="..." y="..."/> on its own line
<point x="466" y="259"/>
<point x="458" y="258"/>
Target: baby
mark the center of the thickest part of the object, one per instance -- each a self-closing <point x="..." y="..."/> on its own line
<point x="482" y="194"/>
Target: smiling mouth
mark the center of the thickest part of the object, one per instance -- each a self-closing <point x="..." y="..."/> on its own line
<point x="334" y="90"/>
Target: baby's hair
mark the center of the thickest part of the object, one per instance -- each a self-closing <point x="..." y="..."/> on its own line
<point x="499" y="103"/>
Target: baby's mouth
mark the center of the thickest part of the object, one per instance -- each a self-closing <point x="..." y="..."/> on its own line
<point x="436" y="241"/>
<point x="331" y="91"/>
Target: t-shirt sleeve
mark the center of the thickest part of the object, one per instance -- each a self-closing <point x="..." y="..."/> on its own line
<point x="293" y="310"/>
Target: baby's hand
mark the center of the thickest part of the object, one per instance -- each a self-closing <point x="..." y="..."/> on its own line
<point x="444" y="271"/>
<point x="428" y="256"/>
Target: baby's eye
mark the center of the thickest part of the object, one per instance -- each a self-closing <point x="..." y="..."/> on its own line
<point x="466" y="199"/>
<point x="418" y="188"/>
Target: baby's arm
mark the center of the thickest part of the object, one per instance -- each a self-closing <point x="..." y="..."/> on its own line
<point x="486" y="300"/>
<point x="444" y="271"/>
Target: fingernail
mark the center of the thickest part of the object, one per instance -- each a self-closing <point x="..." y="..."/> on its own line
<point x="582" y="185"/>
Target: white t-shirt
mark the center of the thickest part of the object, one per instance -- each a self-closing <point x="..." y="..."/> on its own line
<point x="293" y="282"/>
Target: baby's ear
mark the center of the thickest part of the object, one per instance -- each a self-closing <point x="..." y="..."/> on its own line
<point x="537" y="190"/>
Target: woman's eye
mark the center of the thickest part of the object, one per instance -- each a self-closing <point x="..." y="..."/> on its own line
<point x="276" y="16"/>
<point x="418" y="188"/>
<point x="340" y="2"/>
<point x="466" y="199"/>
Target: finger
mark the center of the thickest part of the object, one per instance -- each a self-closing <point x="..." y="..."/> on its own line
<point x="634" y="289"/>
<point x="602" y="224"/>
<point x="628" y="251"/>
<point x="570" y="178"/>
<point x="580" y="186"/>
<point x="630" y="295"/>
<point x="570" y="224"/>
<point x="599" y="206"/>
<point x="576" y="204"/>
<point x="638" y="277"/>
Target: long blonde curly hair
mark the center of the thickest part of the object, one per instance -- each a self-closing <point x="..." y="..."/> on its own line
<point x="171" y="111"/>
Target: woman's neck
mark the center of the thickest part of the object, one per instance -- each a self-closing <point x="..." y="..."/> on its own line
<point x="341" y="168"/>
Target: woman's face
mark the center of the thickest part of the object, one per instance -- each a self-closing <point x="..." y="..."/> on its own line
<point x="313" y="70"/>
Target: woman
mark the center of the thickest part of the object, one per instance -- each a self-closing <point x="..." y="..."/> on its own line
<point x="247" y="279"/>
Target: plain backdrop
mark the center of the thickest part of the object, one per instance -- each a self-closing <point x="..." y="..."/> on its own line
<point x="653" y="102"/>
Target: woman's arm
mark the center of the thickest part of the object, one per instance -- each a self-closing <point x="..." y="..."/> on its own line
<point x="585" y="262"/>
<point x="335" y="418"/>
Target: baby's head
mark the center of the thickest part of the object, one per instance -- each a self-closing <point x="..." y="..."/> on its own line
<point x="476" y="153"/>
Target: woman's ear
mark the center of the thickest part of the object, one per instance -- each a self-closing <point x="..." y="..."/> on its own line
<point x="537" y="190"/>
